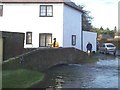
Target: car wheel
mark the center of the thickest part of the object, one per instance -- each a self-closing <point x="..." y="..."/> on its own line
<point x="105" y="52"/>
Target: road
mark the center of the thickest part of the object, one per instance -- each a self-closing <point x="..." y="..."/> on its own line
<point x="118" y="52"/>
<point x="100" y="74"/>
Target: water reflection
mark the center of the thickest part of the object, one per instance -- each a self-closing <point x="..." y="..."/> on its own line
<point x="102" y="74"/>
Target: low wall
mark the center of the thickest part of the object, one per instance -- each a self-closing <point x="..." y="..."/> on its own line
<point x="42" y="59"/>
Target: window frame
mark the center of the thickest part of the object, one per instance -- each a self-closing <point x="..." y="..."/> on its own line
<point x="73" y="40"/>
<point x="46" y="34"/>
<point x="27" y="40"/>
<point x="1" y="11"/>
<point x="46" y="11"/>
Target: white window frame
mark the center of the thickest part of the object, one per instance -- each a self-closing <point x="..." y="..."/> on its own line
<point x="28" y="37"/>
<point x="46" y="10"/>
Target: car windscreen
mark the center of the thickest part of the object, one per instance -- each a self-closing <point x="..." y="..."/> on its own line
<point x="110" y="46"/>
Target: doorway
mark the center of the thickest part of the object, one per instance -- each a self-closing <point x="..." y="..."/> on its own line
<point x="45" y="39"/>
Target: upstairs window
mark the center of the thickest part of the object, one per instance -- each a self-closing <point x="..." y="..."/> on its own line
<point x="46" y="10"/>
<point x="28" y="37"/>
<point x="1" y="10"/>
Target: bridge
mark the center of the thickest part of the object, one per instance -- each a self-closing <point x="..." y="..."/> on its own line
<point x="45" y="58"/>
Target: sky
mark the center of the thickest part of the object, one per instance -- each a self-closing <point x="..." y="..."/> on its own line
<point x="104" y="12"/>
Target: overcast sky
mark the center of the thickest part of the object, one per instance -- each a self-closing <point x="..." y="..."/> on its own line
<point x="105" y="12"/>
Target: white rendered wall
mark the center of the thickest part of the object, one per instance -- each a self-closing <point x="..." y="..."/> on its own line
<point x="25" y="17"/>
<point x="72" y="26"/>
<point x="89" y="37"/>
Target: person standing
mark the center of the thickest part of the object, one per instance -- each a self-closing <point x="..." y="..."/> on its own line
<point x="89" y="47"/>
<point x="55" y="44"/>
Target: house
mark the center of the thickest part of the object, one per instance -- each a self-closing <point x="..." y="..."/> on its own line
<point x="11" y="44"/>
<point x="43" y="20"/>
<point x="104" y="36"/>
<point x="117" y="35"/>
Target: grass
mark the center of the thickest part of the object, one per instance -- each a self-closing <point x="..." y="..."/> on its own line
<point x="20" y="78"/>
<point x="89" y="59"/>
<point x="16" y="75"/>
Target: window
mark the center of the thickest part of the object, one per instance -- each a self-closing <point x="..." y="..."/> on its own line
<point x="46" y="10"/>
<point x="45" y="39"/>
<point x="110" y="46"/>
<point x="28" y="37"/>
<point x="1" y="10"/>
<point x="73" y="40"/>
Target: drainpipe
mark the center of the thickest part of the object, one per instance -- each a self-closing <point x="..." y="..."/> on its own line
<point x="82" y="33"/>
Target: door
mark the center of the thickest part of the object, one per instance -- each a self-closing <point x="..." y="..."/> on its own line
<point x="45" y="39"/>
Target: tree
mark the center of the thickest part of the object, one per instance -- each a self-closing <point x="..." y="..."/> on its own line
<point x="104" y="32"/>
<point x="107" y="28"/>
<point x="86" y="19"/>
<point x="115" y="29"/>
<point x="101" y="28"/>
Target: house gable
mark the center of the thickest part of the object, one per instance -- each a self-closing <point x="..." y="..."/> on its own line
<point x="67" y="2"/>
<point x="31" y="21"/>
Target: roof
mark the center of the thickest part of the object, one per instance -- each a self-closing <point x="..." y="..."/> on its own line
<point x="73" y="5"/>
<point x="31" y="1"/>
<point x="67" y="2"/>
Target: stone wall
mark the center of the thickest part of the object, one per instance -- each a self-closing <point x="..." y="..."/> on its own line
<point x="41" y="59"/>
<point x="46" y="58"/>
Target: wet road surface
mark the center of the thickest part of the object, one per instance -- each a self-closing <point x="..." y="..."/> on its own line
<point x="100" y="74"/>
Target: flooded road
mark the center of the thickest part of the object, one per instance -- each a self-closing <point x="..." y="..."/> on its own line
<point x="100" y="74"/>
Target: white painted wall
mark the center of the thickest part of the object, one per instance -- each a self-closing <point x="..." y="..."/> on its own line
<point x="89" y="37"/>
<point x="25" y="17"/>
<point x="65" y="22"/>
<point x="72" y="26"/>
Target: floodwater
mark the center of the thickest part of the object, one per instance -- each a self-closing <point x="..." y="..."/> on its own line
<point x="100" y="74"/>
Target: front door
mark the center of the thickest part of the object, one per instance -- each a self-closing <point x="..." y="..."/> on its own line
<point x="45" y="39"/>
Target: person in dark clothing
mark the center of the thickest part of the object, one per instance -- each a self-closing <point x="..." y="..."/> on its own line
<point x="89" y="47"/>
<point x="55" y="43"/>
